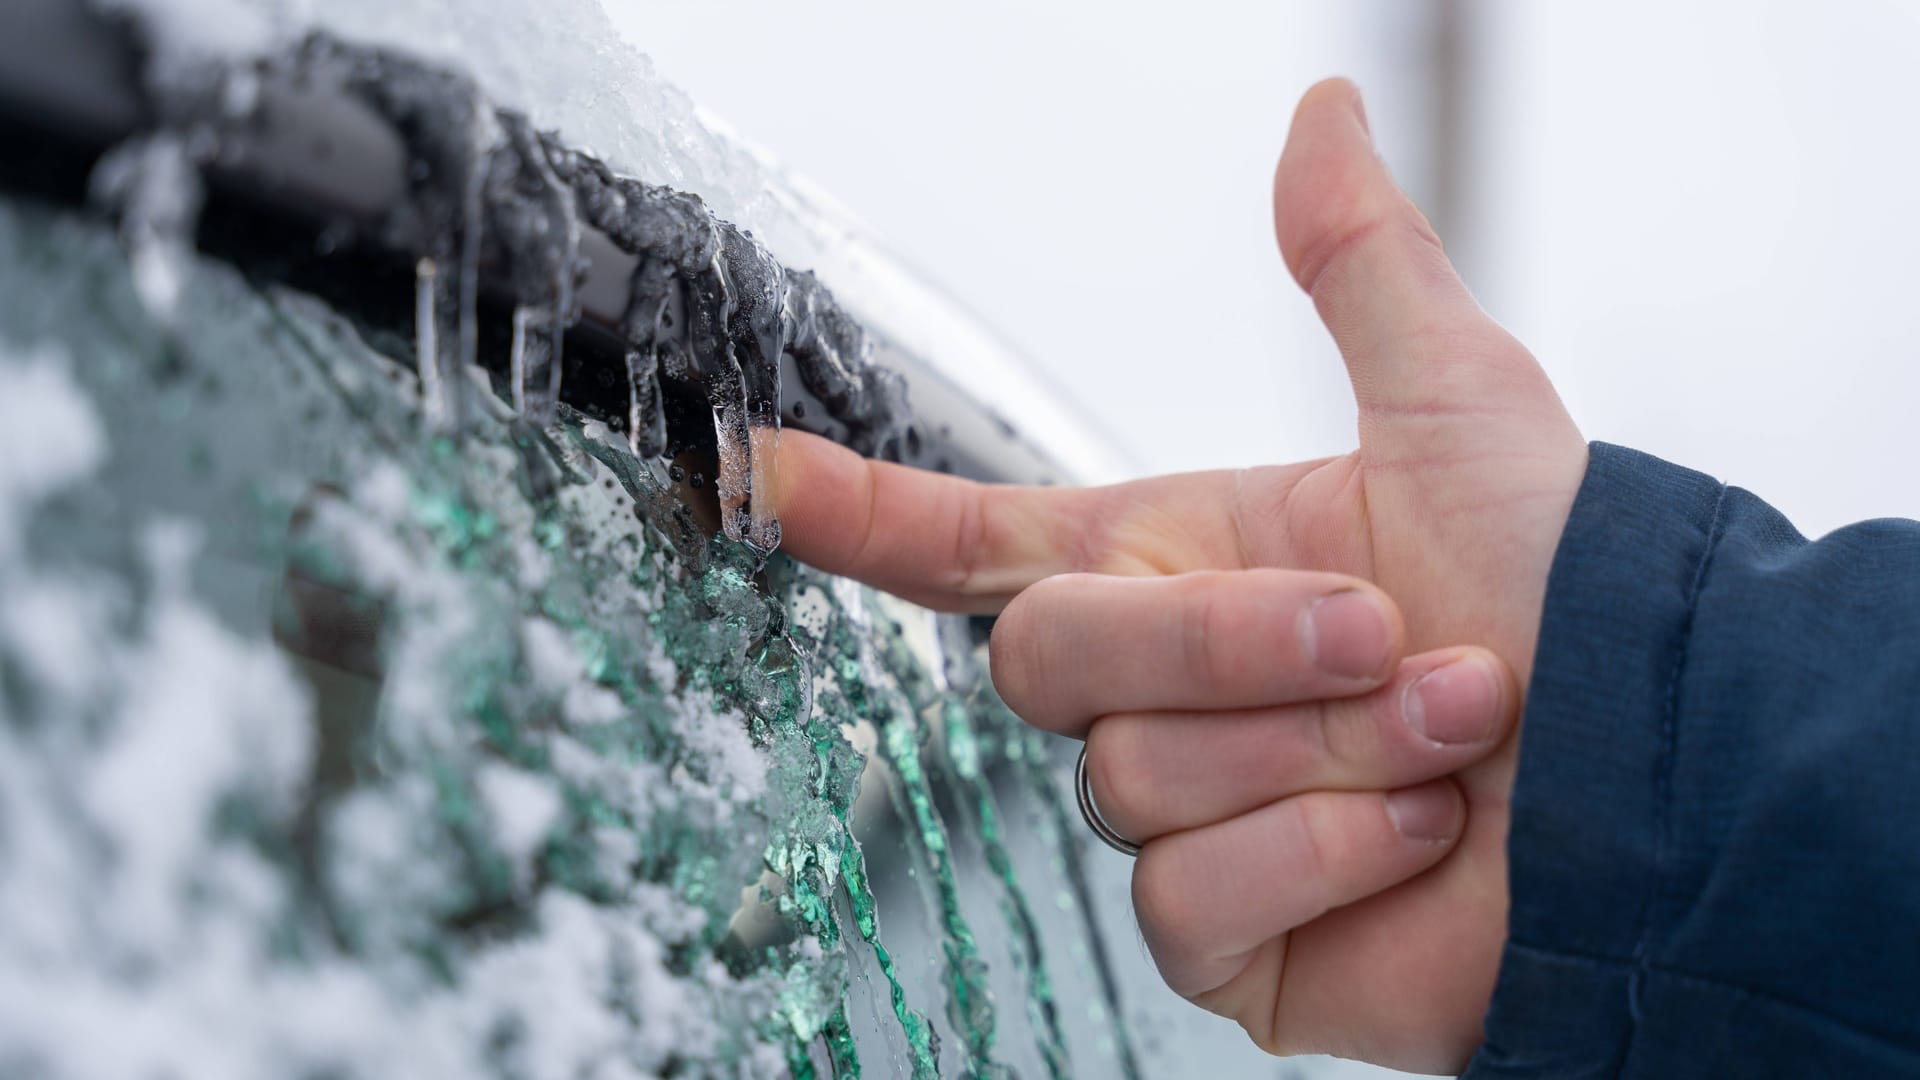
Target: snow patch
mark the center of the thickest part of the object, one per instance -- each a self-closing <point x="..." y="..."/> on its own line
<point x="49" y="434"/>
<point x="522" y="808"/>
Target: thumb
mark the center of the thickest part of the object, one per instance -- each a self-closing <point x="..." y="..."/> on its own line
<point x="1418" y="348"/>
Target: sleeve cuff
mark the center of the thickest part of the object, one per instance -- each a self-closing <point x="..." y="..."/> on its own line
<point x="1731" y="896"/>
<point x="1590" y="800"/>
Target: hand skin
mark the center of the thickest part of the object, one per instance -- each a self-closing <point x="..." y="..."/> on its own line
<point x="1185" y="637"/>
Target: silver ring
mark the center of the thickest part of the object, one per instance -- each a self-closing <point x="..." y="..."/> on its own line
<point x="1092" y="813"/>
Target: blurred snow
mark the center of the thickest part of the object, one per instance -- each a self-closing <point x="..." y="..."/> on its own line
<point x="49" y="437"/>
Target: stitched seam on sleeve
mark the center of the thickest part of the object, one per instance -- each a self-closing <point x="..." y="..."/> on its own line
<point x="1663" y="784"/>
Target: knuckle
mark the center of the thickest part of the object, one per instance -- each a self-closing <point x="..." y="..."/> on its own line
<point x="1329" y="748"/>
<point x="1338" y="255"/>
<point x="1211" y="623"/>
<point x="969" y="537"/>
<point x="1329" y="249"/>
<point x="1324" y="850"/>
<point x="1196" y="634"/>
<point x="1356" y="735"/>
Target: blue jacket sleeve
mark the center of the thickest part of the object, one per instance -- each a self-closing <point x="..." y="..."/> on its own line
<point x="1715" y="851"/>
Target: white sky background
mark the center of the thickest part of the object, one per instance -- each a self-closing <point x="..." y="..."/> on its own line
<point x="1705" y="218"/>
<point x="1701" y="216"/>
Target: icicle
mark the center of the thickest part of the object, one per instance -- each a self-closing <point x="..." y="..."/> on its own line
<point x="713" y="357"/>
<point x="517" y="359"/>
<point x="733" y="444"/>
<point x="451" y="137"/>
<point x="155" y="188"/>
<point x="760" y="326"/>
<point x="455" y="364"/>
<point x="562" y="313"/>
<point x="534" y="363"/>
<point x="433" y="391"/>
<point x="646" y="413"/>
<point x="747" y="463"/>
<point x="532" y="215"/>
<point x="542" y="391"/>
<point x="530" y="351"/>
<point x="708" y="304"/>
<point x="449" y="305"/>
<point x="763" y="451"/>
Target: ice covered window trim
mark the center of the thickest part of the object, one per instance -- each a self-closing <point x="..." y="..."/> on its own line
<point x="685" y="327"/>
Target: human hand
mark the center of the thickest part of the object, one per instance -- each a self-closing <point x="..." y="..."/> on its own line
<point x="1452" y="505"/>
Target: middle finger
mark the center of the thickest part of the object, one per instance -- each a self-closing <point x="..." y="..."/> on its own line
<point x="1077" y="646"/>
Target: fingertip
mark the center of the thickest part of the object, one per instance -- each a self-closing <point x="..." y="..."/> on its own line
<point x="1328" y="177"/>
<point x="1018" y="651"/>
<point x="1459" y="697"/>
<point x="800" y="458"/>
<point x="1354" y="632"/>
<point x="810" y="475"/>
<point x="1336" y="91"/>
<point x="1507" y="690"/>
<point x="1001" y="656"/>
<point x="1414" y="340"/>
<point x="1431" y="813"/>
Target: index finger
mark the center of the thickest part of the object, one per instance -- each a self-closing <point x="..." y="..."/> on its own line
<point x="937" y="540"/>
<point x="960" y="545"/>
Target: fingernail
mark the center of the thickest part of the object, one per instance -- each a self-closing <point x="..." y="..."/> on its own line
<point x="1346" y="634"/>
<point x="1457" y="703"/>
<point x="1423" y="813"/>
<point x="1360" y="111"/>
